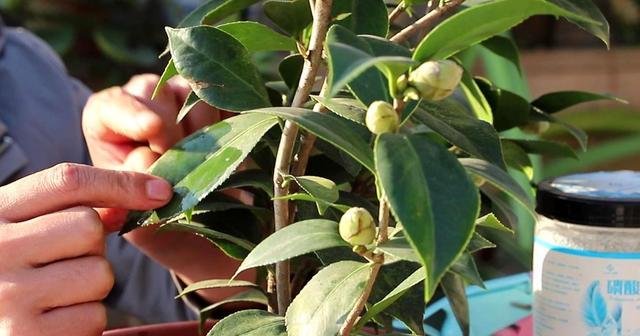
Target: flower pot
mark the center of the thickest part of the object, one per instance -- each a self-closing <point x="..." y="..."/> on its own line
<point x="166" y="329"/>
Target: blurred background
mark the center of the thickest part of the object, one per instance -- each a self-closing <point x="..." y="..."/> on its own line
<point x="104" y="42"/>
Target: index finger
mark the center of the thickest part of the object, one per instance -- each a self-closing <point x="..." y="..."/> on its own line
<point x="67" y="185"/>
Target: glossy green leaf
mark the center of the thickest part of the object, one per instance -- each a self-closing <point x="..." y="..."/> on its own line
<point x="506" y="49"/>
<point x="492" y="222"/>
<point x="466" y="267"/>
<point x="212" y="11"/>
<point x="321" y="204"/>
<point x="558" y="101"/>
<point x="250" y="322"/>
<point x="502" y="205"/>
<point x="322" y="306"/>
<point x="207" y="232"/>
<point x="476" y="99"/>
<point x="546" y="148"/>
<point x="331" y="128"/>
<point x="487" y="19"/>
<point x="345" y="107"/>
<point x="351" y="58"/>
<point x="169" y="71"/>
<point x="599" y="26"/>
<point x="202" y="161"/>
<point x="291" y="69"/>
<point x="189" y="103"/>
<point x="509" y="109"/>
<point x="577" y="133"/>
<point x="415" y="278"/>
<point x="451" y="120"/>
<point x="517" y="158"/>
<point x="291" y="15"/>
<point x="368" y="17"/>
<point x="500" y="179"/>
<point x="294" y="240"/>
<point x="257" y="37"/>
<point x="478" y="243"/>
<point x="419" y="178"/>
<point x="215" y="283"/>
<point x="319" y="188"/>
<point x="399" y="248"/>
<point x="217" y="67"/>
<point x="454" y="288"/>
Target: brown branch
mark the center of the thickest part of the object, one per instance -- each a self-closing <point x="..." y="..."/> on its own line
<point x="396" y="12"/>
<point x="425" y="22"/>
<point x="287" y="141"/>
<point x="357" y="309"/>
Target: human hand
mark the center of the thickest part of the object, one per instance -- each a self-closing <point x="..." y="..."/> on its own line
<point x="53" y="272"/>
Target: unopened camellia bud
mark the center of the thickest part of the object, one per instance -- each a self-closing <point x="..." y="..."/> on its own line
<point x="381" y="118"/>
<point x="436" y="80"/>
<point x="357" y="227"/>
<point x="401" y="83"/>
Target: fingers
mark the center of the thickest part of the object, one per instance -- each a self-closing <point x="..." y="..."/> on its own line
<point x="88" y="319"/>
<point x="61" y="235"/>
<point x="69" y="282"/>
<point x="67" y="185"/>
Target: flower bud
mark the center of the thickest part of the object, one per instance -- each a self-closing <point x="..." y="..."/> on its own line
<point x="357" y="227"/>
<point x="436" y="80"/>
<point x="536" y="127"/>
<point x="478" y="180"/>
<point x="411" y="93"/>
<point x="381" y="118"/>
<point x="401" y="83"/>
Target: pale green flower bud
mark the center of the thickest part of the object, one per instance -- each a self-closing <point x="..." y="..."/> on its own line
<point x="401" y="83"/>
<point x="357" y="227"/>
<point x="381" y="118"/>
<point x="436" y="80"/>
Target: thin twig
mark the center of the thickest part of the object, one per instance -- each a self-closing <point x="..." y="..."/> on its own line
<point x="289" y="134"/>
<point x="383" y="219"/>
<point x="271" y="291"/>
<point x="357" y="309"/>
<point x="425" y="22"/>
<point x="396" y="12"/>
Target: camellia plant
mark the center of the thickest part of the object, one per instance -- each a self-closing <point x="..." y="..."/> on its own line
<point x="366" y="160"/>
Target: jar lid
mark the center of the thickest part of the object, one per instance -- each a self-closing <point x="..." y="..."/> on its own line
<point x="608" y="199"/>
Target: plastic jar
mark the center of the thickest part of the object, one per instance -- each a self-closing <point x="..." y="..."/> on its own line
<point x="586" y="263"/>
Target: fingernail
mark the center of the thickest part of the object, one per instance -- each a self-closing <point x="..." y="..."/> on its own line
<point x="159" y="190"/>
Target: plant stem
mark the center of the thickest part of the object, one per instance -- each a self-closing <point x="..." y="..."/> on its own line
<point x="285" y="149"/>
<point x="383" y="221"/>
<point x="425" y="22"/>
<point x="357" y="309"/>
<point x="396" y="12"/>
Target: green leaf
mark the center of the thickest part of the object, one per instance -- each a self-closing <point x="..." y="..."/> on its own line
<point x="217" y="67"/>
<point x="516" y="158"/>
<point x="169" y="71"/>
<point x="452" y="121"/>
<point x="415" y="278"/>
<point x="189" y="103"/>
<point x="509" y="109"/>
<point x="466" y="267"/>
<point x="212" y="11"/>
<point x="399" y="248"/>
<point x="492" y="222"/>
<point x="506" y="49"/>
<point x="577" y="133"/>
<point x="478" y="243"/>
<point x="291" y="15"/>
<point x="201" y="162"/>
<point x="345" y="107"/>
<point x="480" y="22"/>
<point x="476" y="99"/>
<point x="599" y="26"/>
<point x="322" y="306"/>
<point x="207" y="232"/>
<point x="352" y="61"/>
<point x="331" y="128"/>
<point x="319" y="188"/>
<point x="253" y="178"/>
<point x="114" y="44"/>
<point x="257" y="37"/>
<point x="454" y="288"/>
<point x="542" y="147"/>
<point x="250" y="322"/>
<point x="294" y="240"/>
<point x="291" y="69"/>
<point x="368" y="17"/>
<point x="419" y="178"/>
<point x="215" y="283"/>
<point x="500" y="179"/>
<point x="558" y="101"/>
